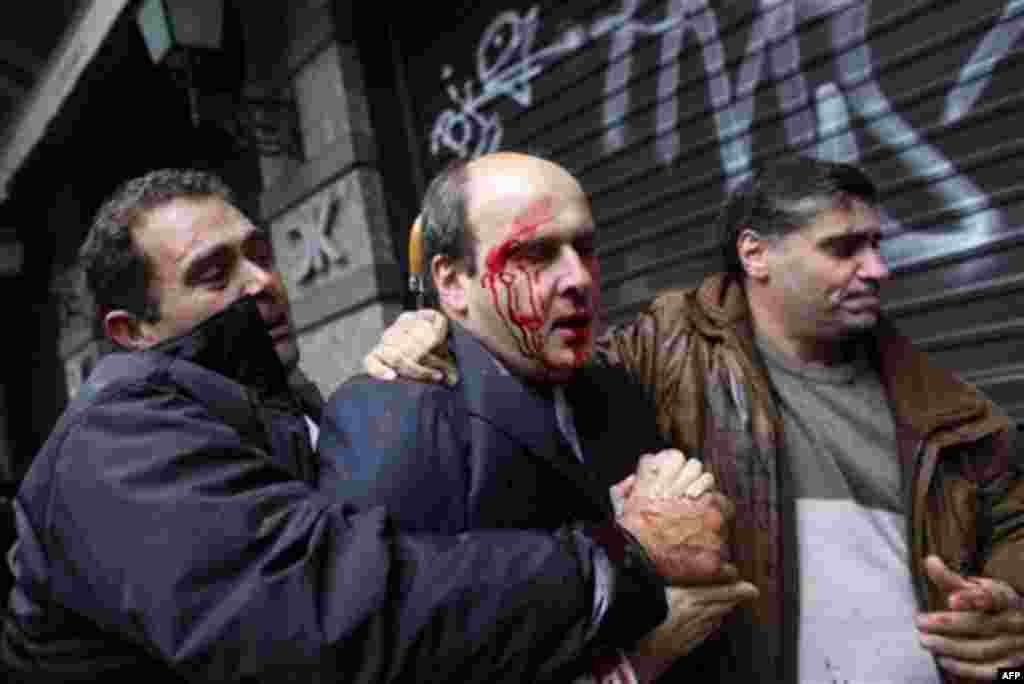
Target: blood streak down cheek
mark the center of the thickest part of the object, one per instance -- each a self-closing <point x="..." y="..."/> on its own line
<point x="520" y="307"/>
<point x="581" y="352"/>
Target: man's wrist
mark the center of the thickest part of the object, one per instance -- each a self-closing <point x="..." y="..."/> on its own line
<point x="638" y="602"/>
<point x="646" y="669"/>
<point x="623" y="548"/>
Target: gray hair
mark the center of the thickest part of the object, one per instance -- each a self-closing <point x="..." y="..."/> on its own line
<point x="786" y="196"/>
<point x="445" y="226"/>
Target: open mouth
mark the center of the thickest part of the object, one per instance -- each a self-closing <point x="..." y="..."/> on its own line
<point x="576" y="324"/>
<point x="865" y="301"/>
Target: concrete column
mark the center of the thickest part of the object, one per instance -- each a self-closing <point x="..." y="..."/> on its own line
<point x="327" y="213"/>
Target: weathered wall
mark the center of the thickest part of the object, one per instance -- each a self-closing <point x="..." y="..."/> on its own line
<point x="327" y="213"/>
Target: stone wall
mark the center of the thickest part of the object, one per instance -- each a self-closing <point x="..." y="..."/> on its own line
<point x="327" y="213"/>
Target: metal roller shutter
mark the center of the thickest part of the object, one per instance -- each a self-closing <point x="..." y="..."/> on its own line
<point x="660" y="107"/>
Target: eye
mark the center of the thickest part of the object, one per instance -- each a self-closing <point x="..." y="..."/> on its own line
<point x="841" y="250"/>
<point x="540" y="250"/>
<point x="261" y="253"/>
<point x="844" y="248"/>
<point x="213" y="270"/>
<point x="212" y="275"/>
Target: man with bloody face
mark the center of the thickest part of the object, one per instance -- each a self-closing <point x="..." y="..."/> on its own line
<point x="531" y="435"/>
<point x="531" y="294"/>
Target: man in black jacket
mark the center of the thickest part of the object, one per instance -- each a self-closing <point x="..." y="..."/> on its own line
<point x="171" y="528"/>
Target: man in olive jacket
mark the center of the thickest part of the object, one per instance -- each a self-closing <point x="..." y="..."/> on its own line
<point x="879" y="499"/>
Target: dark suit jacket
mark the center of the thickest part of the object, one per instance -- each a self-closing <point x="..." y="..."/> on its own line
<point x="487" y="452"/>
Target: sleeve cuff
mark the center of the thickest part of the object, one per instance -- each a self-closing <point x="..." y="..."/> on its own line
<point x="609" y="668"/>
<point x="637" y="602"/>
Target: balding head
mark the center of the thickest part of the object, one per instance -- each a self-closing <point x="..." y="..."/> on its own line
<point x="503" y="185"/>
<point x="525" y="281"/>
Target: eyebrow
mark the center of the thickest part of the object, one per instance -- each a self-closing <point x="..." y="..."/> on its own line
<point x="211" y="252"/>
<point x="846" y="235"/>
<point x="575" y="235"/>
<point x="544" y="240"/>
<point x="539" y="242"/>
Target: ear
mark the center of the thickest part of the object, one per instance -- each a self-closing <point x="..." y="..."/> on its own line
<point x="753" y="251"/>
<point x="450" y="281"/>
<point x="125" y="329"/>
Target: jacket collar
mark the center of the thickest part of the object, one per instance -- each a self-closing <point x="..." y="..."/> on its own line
<point x="925" y="397"/>
<point x="521" y="410"/>
<point x="929" y="398"/>
<point x="234" y="343"/>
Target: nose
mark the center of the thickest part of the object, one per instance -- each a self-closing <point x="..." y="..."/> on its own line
<point x="258" y="279"/>
<point x="578" y="273"/>
<point x="873" y="265"/>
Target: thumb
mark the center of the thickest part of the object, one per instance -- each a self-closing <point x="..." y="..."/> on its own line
<point x="942" y="577"/>
<point x="437" y="320"/>
<point x="733" y="593"/>
<point x="745" y="591"/>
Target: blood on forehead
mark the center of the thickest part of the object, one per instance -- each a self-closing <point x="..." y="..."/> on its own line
<point x="524" y="227"/>
<point x="537" y="213"/>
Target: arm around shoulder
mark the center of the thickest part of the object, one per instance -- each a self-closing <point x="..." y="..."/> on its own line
<point x="186" y="541"/>
<point x="645" y="344"/>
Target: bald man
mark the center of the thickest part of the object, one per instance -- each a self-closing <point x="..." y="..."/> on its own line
<point x="532" y="435"/>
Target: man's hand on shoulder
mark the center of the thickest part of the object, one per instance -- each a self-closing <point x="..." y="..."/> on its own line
<point x="671" y="508"/>
<point x="413" y="347"/>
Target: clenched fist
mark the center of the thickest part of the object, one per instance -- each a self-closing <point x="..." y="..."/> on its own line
<point x="670" y="506"/>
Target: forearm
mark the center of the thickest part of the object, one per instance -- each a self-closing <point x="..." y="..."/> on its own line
<point x="638" y="346"/>
<point x="506" y="606"/>
<point x="337" y="597"/>
<point x="489" y="607"/>
<point x="239" y="591"/>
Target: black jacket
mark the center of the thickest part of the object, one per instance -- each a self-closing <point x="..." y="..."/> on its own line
<point x="486" y="453"/>
<point x="170" y="529"/>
